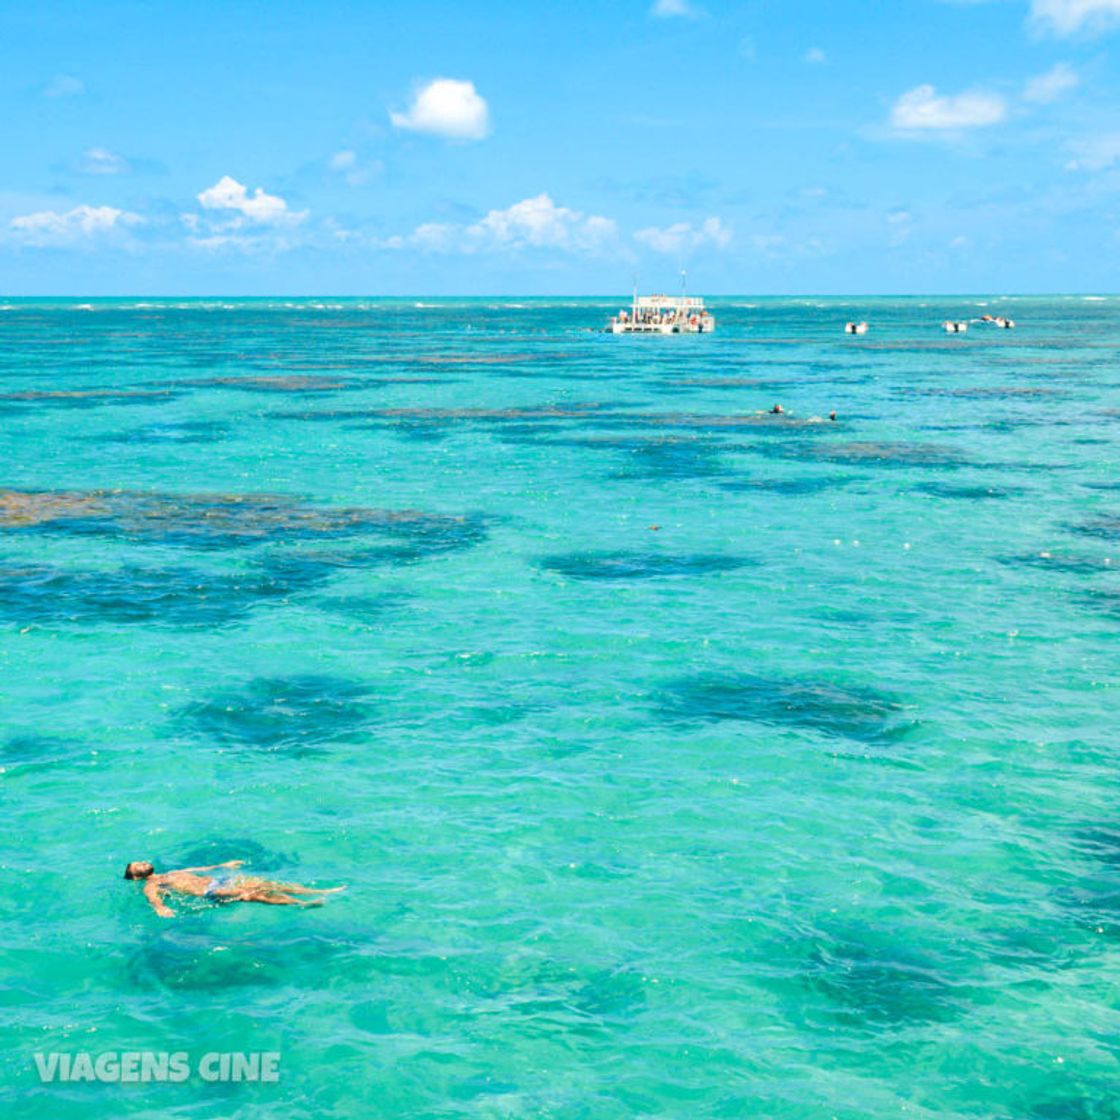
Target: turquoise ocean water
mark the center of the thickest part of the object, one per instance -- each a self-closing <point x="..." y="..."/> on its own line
<point x="802" y="804"/>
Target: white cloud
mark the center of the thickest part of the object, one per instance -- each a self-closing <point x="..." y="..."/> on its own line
<point x="251" y="223"/>
<point x="1067" y="17"/>
<point x="447" y="107"/>
<point x="533" y="223"/>
<point x="900" y="226"/>
<point x="64" y="85"/>
<point x="768" y="244"/>
<point x="682" y="236"/>
<point x="540" y="223"/>
<point x="814" y="56"/>
<point x="353" y="171"/>
<point x="101" y="161"/>
<point x="260" y="208"/>
<point x="1050" y="86"/>
<point x="922" y="108"/>
<point x="670" y="9"/>
<point x="438" y="237"/>
<point x="249" y="245"/>
<point x="52" y="227"/>
<point x="1095" y="154"/>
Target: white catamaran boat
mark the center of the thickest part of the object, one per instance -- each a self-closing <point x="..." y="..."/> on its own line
<point x="664" y="315"/>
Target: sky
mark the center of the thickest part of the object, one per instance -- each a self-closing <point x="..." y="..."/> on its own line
<point x="369" y="148"/>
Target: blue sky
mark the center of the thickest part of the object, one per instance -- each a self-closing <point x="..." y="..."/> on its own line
<point x="824" y="146"/>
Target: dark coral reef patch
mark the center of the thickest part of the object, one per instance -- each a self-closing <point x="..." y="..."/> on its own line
<point x="625" y="566"/>
<point x="213" y="520"/>
<point x="47" y="595"/>
<point x="293" y="715"/>
<point x="837" y="710"/>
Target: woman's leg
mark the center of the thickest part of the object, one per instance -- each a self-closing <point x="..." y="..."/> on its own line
<point x="284" y="888"/>
<point x="274" y="898"/>
<point x="240" y="890"/>
<point x="297" y="888"/>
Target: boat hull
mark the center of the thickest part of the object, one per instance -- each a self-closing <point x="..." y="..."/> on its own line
<point x="663" y="328"/>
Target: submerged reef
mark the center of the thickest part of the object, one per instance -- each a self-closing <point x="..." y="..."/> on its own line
<point x="966" y="493"/>
<point x="793" y="487"/>
<point x="294" y="715"/>
<point x="207" y="520"/>
<point x="672" y="458"/>
<point x="272" y="383"/>
<point x="83" y="398"/>
<point x="1106" y="527"/>
<point x="842" y="711"/>
<point x="875" y="980"/>
<point x="310" y="544"/>
<point x="624" y="566"/>
<point x="872" y="454"/>
<point x="1074" y="562"/>
<point x="44" y="594"/>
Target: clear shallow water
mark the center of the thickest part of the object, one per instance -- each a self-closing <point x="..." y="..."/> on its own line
<point x="803" y="804"/>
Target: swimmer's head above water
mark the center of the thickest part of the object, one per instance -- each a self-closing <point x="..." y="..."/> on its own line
<point x="138" y="869"/>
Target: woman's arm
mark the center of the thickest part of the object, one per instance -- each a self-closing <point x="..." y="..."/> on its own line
<point x="154" y="894"/>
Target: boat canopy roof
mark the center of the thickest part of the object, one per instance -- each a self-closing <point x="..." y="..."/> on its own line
<point x="657" y="303"/>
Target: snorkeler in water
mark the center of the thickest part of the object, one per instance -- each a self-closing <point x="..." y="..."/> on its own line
<point x="225" y="886"/>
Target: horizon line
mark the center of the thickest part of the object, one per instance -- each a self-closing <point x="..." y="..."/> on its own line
<point x="562" y="295"/>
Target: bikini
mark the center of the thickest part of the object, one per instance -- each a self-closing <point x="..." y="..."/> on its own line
<point x="218" y="880"/>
